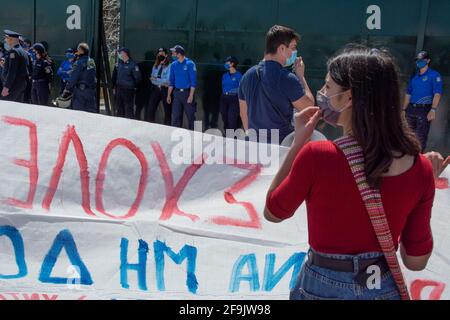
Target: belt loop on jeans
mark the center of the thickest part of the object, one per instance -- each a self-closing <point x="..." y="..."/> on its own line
<point x="356" y="265"/>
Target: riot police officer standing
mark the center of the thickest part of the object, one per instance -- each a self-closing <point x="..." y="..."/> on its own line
<point x="82" y="84"/>
<point x="42" y="76"/>
<point x="15" y="70"/>
<point x="126" y="78"/>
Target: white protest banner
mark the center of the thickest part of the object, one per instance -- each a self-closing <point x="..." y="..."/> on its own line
<point x="95" y="207"/>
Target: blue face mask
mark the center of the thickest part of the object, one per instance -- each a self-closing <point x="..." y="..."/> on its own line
<point x="174" y="58"/>
<point x="227" y="66"/>
<point x="292" y="59"/>
<point x="7" y="47"/>
<point x="421" y="64"/>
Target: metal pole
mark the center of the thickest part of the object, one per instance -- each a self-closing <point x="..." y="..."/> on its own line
<point x="423" y="25"/>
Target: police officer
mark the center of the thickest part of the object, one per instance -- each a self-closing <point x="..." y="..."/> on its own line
<point x="15" y="70"/>
<point x="229" y="102"/>
<point x="41" y="77"/>
<point x="27" y="46"/>
<point x="183" y="81"/>
<point x="65" y="69"/>
<point x="126" y="78"/>
<point x="82" y="84"/>
<point x="2" y="61"/>
<point x="423" y="98"/>
<point x="160" y="88"/>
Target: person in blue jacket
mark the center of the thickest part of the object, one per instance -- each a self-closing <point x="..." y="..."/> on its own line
<point x="82" y="85"/>
<point x="229" y="102"/>
<point x="65" y="69"/>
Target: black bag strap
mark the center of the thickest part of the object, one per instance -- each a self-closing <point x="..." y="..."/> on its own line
<point x="274" y="107"/>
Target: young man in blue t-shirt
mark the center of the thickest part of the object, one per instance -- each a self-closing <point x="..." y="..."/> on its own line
<point x="269" y="93"/>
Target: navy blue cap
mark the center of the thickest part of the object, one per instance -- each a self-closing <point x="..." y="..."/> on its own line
<point x="126" y="50"/>
<point x="11" y="34"/>
<point x="423" y="55"/>
<point x="70" y="50"/>
<point x="178" y="49"/>
<point x="39" y="47"/>
<point x="232" y="60"/>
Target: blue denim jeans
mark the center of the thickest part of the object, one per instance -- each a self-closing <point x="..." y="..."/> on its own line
<point x="317" y="283"/>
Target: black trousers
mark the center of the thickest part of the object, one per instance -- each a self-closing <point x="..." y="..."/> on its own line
<point x="158" y="95"/>
<point x="17" y="93"/>
<point x="180" y="104"/>
<point x="63" y="86"/>
<point x="28" y="92"/>
<point x="125" y="102"/>
<point x="229" y="108"/>
<point x="40" y="92"/>
<point x="418" y="121"/>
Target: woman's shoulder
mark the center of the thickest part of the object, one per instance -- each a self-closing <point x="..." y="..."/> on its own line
<point x="425" y="166"/>
<point x="322" y="151"/>
<point x="325" y="147"/>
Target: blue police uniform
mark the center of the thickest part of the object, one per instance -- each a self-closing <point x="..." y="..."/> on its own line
<point x="31" y="59"/>
<point x="41" y="78"/>
<point x="2" y="58"/>
<point x="183" y="77"/>
<point x="229" y="102"/>
<point x="422" y="89"/>
<point x="126" y="78"/>
<point x="160" y="90"/>
<point x="64" y="72"/>
<point x="15" y="71"/>
<point x="82" y="84"/>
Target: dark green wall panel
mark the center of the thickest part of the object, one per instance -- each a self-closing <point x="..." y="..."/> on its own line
<point x="212" y="30"/>
<point x="46" y="20"/>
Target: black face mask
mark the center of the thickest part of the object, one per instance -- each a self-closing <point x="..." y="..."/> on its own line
<point x="161" y="58"/>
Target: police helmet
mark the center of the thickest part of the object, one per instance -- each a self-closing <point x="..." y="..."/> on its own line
<point x="63" y="102"/>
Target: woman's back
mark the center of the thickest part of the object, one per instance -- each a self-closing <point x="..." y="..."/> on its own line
<point x="338" y="220"/>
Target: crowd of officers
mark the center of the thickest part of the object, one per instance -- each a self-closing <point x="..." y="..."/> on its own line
<point x="174" y="84"/>
<point x="27" y="74"/>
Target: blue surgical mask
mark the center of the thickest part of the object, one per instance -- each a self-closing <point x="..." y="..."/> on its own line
<point x="7" y="47"/>
<point x="330" y="114"/>
<point x="421" y="64"/>
<point x="227" y="66"/>
<point x="174" y="58"/>
<point x="292" y="59"/>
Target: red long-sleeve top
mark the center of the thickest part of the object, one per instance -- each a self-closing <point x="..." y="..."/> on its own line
<point x="338" y="221"/>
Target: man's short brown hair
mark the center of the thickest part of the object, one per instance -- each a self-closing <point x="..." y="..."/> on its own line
<point x="279" y="35"/>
